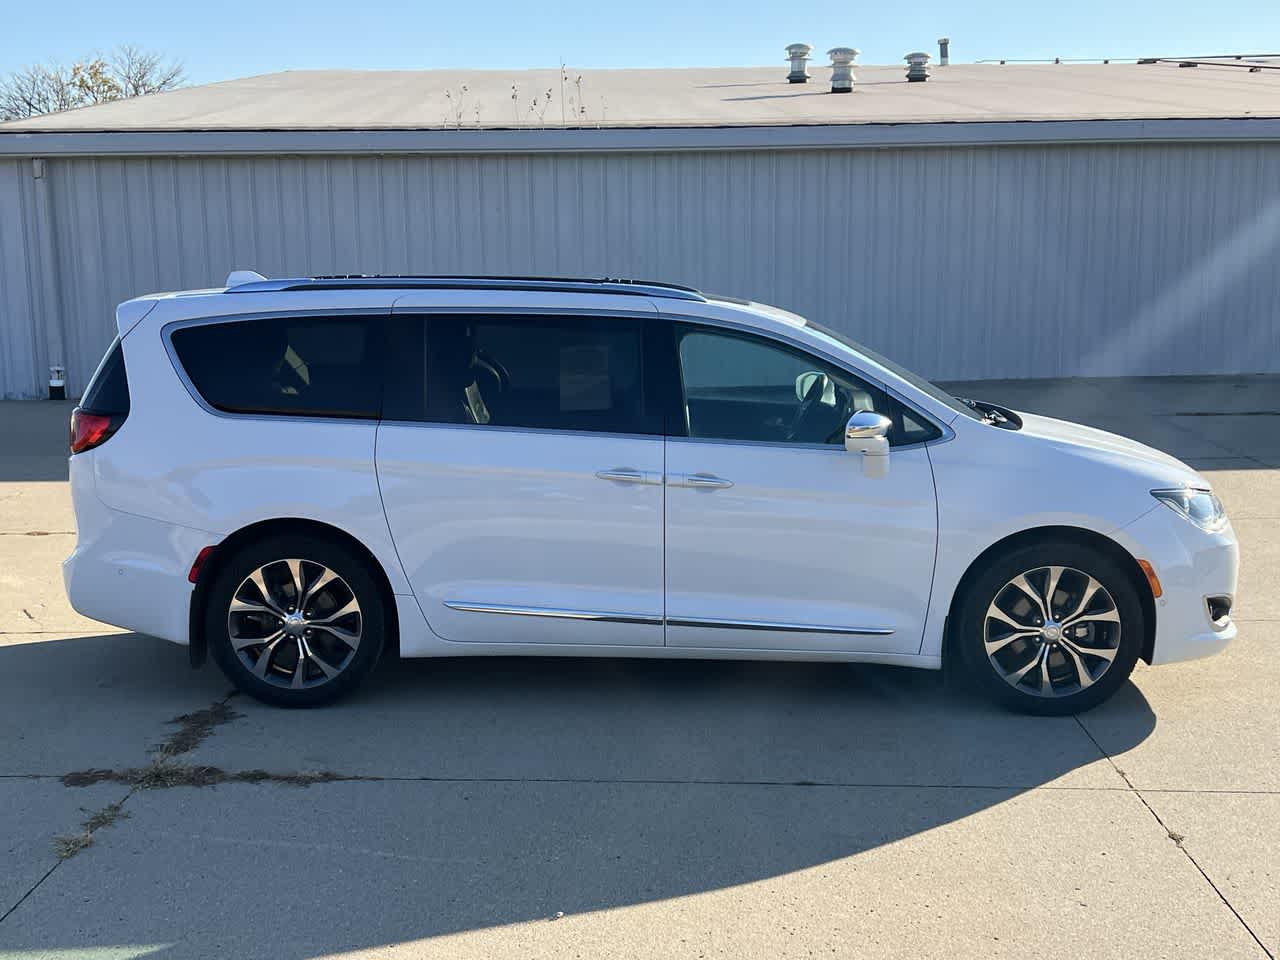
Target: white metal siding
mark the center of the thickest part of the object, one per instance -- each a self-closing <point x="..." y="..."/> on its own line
<point x="961" y="262"/>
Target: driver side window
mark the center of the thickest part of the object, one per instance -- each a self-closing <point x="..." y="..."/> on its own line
<point x="742" y="387"/>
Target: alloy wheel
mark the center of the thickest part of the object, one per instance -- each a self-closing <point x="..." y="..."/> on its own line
<point x="1052" y="631"/>
<point x="294" y="623"/>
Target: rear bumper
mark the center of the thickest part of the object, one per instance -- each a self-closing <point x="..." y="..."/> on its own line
<point x="126" y="570"/>
<point x="1192" y="565"/>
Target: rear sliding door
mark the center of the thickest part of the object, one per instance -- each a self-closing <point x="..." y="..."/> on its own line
<point x="520" y="460"/>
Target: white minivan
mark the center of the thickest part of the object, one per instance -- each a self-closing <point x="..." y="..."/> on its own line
<point x="300" y="475"/>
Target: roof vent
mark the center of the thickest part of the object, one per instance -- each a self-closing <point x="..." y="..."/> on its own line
<point x="917" y="67"/>
<point x="944" y="51"/>
<point x="798" y="54"/>
<point x="842" y="68"/>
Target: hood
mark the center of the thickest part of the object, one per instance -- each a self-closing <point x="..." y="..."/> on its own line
<point x="1118" y="451"/>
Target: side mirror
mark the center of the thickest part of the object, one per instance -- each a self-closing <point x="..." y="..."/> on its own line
<point x="867" y="433"/>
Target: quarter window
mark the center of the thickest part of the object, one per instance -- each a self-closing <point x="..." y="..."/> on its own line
<point x="108" y="390"/>
<point x="299" y="366"/>
<point x="741" y="387"/>
<point x="558" y="373"/>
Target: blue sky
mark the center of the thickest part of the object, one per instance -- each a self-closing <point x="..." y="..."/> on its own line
<point x="234" y="38"/>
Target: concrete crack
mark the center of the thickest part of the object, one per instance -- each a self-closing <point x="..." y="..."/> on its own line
<point x="163" y="774"/>
<point x="1177" y="839"/>
<point x="194" y="728"/>
<point x="66" y="847"/>
<point x="166" y="768"/>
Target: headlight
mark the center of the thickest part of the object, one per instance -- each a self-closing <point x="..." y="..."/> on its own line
<point x="1199" y="506"/>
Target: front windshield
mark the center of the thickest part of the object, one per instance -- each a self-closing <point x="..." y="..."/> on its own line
<point x="917" y="381"/>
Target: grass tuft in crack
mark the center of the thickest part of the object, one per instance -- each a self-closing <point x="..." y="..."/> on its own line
<point x="163" y="774"/>
<point x="165" y="769"/>
<point x="194" y="729"/>
<point x="68" y="846"/>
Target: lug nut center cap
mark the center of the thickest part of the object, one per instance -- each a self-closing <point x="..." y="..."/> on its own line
<point x="1051" y="632"/>
<point x="294" y="625"/>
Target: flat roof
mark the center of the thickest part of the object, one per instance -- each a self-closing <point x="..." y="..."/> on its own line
<point x="458" y="100"/>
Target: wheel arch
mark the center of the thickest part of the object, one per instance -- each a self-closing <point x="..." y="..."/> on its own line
<point x="229" y="545"/>
<point x="1078" y="535"/>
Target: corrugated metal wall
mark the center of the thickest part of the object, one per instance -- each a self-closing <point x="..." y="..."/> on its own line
<point x="960" y="262"/>
<point x="23" y="358"/>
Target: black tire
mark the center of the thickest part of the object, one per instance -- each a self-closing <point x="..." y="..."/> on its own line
<point x="276" y="681"/>
<point x="1070" y="695"/>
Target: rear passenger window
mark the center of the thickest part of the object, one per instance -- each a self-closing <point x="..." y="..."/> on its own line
<point x="299" y="366"/>
<point x="558" y="373"/>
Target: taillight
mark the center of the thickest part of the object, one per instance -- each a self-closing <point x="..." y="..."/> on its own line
<point x="89" y="430"/>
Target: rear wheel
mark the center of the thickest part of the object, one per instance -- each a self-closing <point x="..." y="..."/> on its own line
<point x="295" y="620"/>
<point x="1051" y="628"/>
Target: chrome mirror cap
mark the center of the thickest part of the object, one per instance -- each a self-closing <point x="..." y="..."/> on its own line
<point x="866" y="425"/>
<point x="867" y="433"/>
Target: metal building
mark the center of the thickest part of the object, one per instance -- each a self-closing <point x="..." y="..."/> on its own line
<point x="988" y="221"/>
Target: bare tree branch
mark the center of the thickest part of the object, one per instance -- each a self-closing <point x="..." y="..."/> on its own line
<point x="130" y="71"/>
<point x="140" y="72"/>
<point x="36" y="90"/>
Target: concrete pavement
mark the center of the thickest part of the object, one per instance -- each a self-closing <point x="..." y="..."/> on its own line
<point x="492" y="808"/>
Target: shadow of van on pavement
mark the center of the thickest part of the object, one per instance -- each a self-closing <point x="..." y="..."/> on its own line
<point x="500" y="790"/>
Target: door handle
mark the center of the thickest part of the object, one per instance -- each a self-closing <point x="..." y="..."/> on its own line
<point x="704" y="481"/>
<point x="627" y="475"/>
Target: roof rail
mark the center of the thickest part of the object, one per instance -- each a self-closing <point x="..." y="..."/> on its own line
<point x="635" y="288"/>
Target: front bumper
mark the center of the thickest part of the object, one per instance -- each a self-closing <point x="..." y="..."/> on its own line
<point x="1192" y="565"/>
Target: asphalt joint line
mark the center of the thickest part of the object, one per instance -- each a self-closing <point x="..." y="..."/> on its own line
<point x="1176" y="838"/>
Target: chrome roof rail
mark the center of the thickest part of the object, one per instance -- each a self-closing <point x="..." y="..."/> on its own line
<point x="609" y="285"/>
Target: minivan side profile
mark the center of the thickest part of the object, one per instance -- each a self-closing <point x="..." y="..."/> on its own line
<point x="296" y="476"/>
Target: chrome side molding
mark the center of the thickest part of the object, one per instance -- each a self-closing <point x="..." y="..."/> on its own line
<point x="516" y="610"/>
<point x="780" y="627"/>
<point x="604" y="616"/>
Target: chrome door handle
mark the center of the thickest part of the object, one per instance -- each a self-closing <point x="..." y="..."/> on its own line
<point x="706" y="481"/>
<point x="627" y="475"/>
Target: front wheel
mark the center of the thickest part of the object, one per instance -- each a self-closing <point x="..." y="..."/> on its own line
<point x="1051" y="628"/>
<point x="295" y="620"/>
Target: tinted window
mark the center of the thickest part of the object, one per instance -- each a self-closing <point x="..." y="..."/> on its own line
<point x="108" y="390"/>
<point x="303" y="366"/>
<point x="741" y="387"/>
<point x="562" y="373"/>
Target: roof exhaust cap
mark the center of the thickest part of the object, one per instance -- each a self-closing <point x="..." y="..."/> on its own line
<point x="842" y="77"/>
<point x="798" y="54"/>
<point x="917" y="67"/>
<point x="944" y="51"/>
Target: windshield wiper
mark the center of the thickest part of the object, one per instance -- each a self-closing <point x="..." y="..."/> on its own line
<point x="974" y="405"/>
<point x="994" y="415"/>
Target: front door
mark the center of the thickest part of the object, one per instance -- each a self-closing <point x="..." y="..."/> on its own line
<point x="520" y="463"/>
<point x="777" y="538"/>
